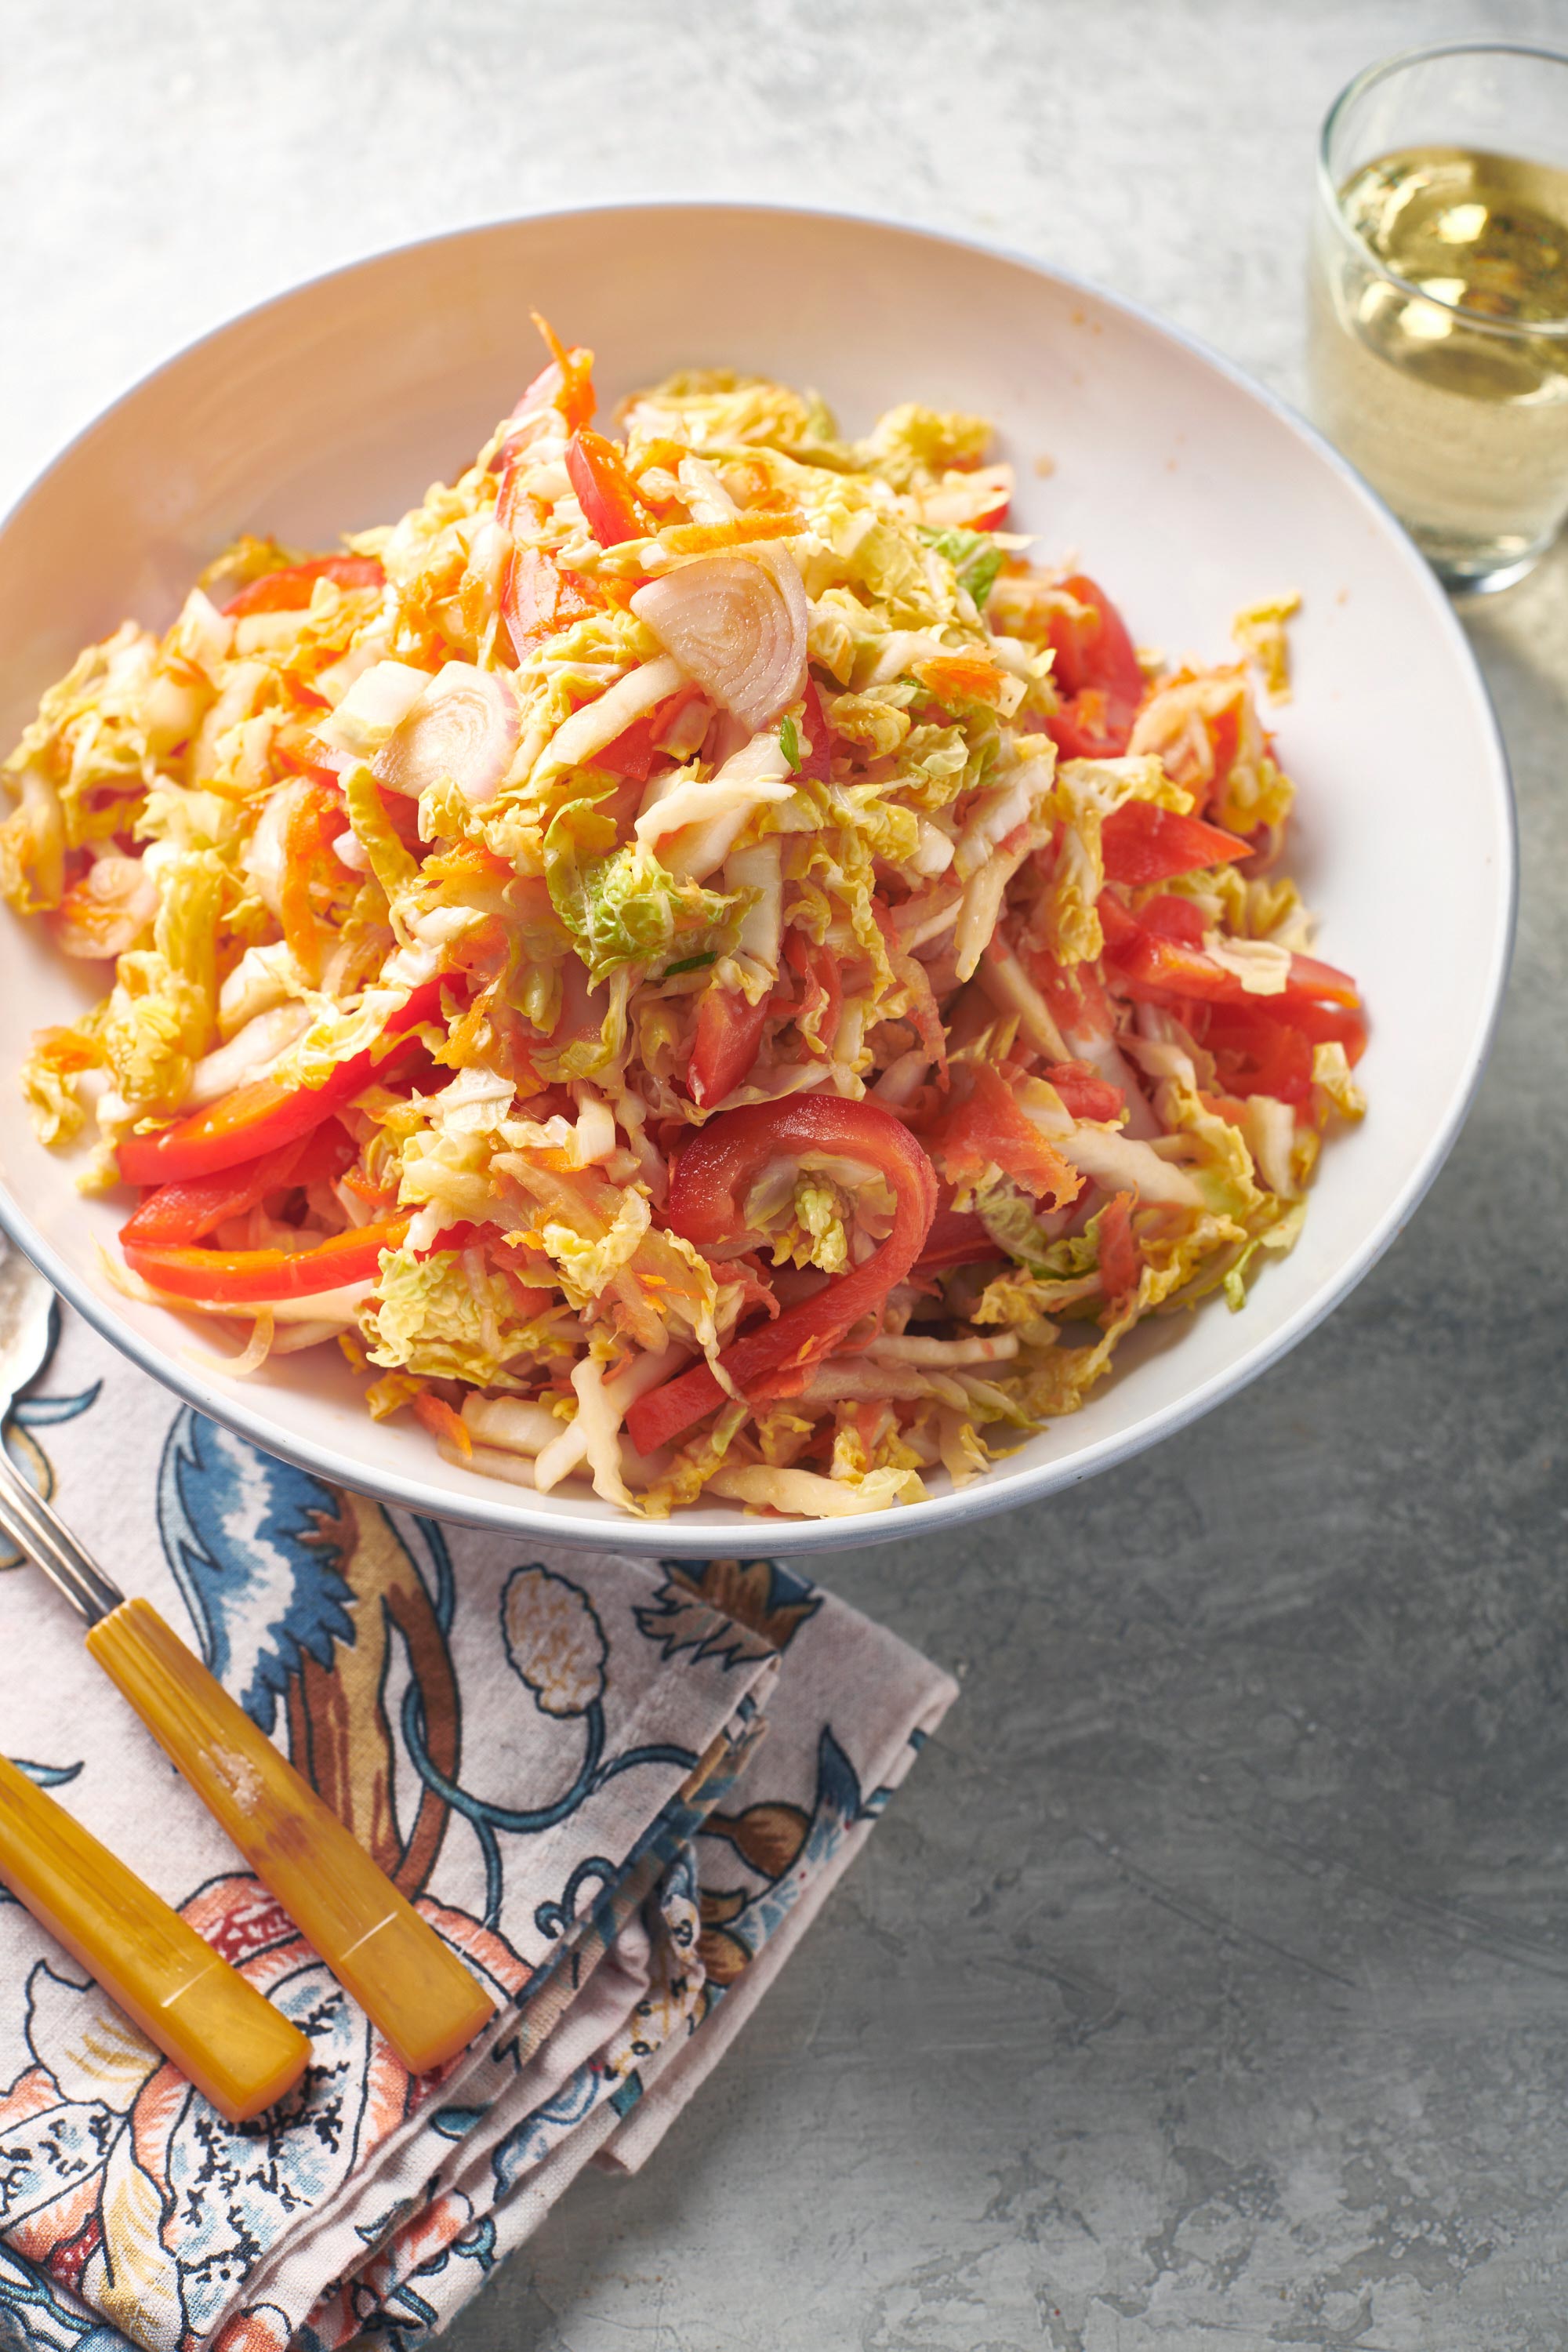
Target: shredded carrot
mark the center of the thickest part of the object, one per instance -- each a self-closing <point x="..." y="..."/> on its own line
<point x="702" y="538"/>
<point x="666" y="454"/>
<point x="576" y="399"/>
<point x="306" y="842"/>
<point x="438" y="1418"/>
<point x="467" y="861"/>
<point x="972" y="677"/>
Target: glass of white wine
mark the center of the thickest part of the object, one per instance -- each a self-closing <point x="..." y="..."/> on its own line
<point x="1438" y="344"/>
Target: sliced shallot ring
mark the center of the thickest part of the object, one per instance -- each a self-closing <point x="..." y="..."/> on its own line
<point x="465" y="725"/>
<point x="108" y="909"/>
<point x="737" y="624"/>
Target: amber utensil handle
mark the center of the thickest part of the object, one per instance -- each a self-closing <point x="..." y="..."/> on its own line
<point x="238" y="2050"/>
<point x="410" y="1983"/>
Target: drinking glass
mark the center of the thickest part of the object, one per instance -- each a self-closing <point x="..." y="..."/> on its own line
<point x="1437" y="343"/>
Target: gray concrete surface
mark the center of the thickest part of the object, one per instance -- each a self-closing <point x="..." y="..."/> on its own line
<point x="1208" y="1984"/>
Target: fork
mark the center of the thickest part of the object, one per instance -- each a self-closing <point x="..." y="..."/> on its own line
<point x="408" y="1982"/>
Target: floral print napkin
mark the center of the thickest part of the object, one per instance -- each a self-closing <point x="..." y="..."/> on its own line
<point x="620" y="1789"/>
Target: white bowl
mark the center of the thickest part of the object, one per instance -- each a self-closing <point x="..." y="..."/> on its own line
<point x="1184" y="488"/>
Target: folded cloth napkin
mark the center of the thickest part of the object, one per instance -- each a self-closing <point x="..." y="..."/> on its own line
<point x="620" y="1788"/>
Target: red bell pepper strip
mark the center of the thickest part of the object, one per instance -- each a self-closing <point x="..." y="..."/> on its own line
<point x="258" y="1118"/>
<point x="185" y="1212"/>
<point x="538" y="598"/>
<point x="729" y="1032"/>
<point x="1143" y="844"/>
<point x="256" y="1277"/>
<point x="707" y="1205"/>
<point x="1098" y="670"/>
<point x="290" y="590"/>
<point x="605" y="491"/>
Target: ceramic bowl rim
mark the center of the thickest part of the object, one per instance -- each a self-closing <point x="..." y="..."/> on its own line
<point x="509" y="1512"/>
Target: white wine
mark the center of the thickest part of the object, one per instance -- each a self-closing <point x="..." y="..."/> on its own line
<point x="1438" y="373"/>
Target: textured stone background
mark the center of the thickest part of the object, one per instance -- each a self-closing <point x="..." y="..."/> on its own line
<point x="1209" y="1982"/>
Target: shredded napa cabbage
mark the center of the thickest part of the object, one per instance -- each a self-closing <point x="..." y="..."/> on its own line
<point x="526" y="970"/>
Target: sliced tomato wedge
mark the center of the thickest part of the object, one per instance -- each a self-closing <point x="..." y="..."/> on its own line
<point x="290" y="590"/>
<point x="1175" y="918"/>
<point x="605" y="491"/>
<point x="984" y="1126"/>
<point x="1254" y="1054"/>
<point x="1310" y="978"/>
<point x="255" y="1278"/>
<point x="707" y="1204"/>
<point x="1143" y="844"/>
<point x="1097" y="668"/>
<point x="1265" y="1047"/>
<point x="265" y="1115"/>
<point x="186" y="1211"/>
<point x="729" y="1032"/>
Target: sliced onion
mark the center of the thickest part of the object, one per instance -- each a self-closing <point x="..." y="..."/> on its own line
<point x="737" y="624"/>
<point x="370" y="707"/>
<point x="465" y="725"/>
<point x="106" y="911"/>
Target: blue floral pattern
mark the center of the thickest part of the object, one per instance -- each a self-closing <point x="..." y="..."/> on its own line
<point x="558" y="1759"/>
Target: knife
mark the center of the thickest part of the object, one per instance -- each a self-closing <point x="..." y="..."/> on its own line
<point x="238" y="2050"/>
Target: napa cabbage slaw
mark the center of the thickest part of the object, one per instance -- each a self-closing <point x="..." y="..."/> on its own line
<point x="689" y="958"/>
